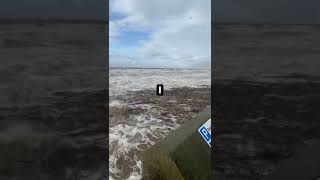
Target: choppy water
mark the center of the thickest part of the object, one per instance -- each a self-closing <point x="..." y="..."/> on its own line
<point x="135" y="126"/>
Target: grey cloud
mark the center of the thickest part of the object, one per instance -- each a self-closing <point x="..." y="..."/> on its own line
<point x="175" y="40"/>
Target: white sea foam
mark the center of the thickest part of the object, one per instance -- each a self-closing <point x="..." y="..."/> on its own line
<point x="138" y="132"/>
<point x="122" y="81"/>
<point x="124" y="138"/>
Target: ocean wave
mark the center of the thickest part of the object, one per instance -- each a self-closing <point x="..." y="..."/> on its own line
<point x="128" y="140"/>
<point x="138" y="118"/>
<point x="122" y="81"/>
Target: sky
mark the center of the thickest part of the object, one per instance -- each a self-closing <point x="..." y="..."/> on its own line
<point x="160" y="33"/>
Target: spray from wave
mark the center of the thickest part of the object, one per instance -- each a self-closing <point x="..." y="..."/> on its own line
<point x="136" y="123"/>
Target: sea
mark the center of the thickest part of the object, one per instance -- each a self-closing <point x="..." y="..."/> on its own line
<point x="138" y="118"/>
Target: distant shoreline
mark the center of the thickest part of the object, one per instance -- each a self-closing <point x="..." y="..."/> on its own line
<point x="157" y="68"/>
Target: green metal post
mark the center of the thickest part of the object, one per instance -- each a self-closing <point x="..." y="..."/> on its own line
<point x="182" y="155"/>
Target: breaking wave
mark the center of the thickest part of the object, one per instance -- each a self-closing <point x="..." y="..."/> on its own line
<point x="134" y="127"/>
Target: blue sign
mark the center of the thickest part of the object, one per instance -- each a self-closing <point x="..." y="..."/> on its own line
<point x="205" y="132"/>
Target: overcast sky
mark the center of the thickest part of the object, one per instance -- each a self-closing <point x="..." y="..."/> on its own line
<point x="160" y="33"/>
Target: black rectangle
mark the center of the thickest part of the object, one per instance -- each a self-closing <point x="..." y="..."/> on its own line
<point x="160" y="89"/>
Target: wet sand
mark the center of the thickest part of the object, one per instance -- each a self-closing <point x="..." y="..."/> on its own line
<point x="265" y="98"/>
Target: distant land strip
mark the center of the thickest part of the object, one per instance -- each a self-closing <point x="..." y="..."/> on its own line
<point x="164" y="68"/>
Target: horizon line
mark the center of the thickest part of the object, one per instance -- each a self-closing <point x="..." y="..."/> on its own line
<point x="157" y="68"/>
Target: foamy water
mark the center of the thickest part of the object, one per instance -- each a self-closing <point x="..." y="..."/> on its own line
<point x="131" y="134"/>
<point x="122" y="81"/>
